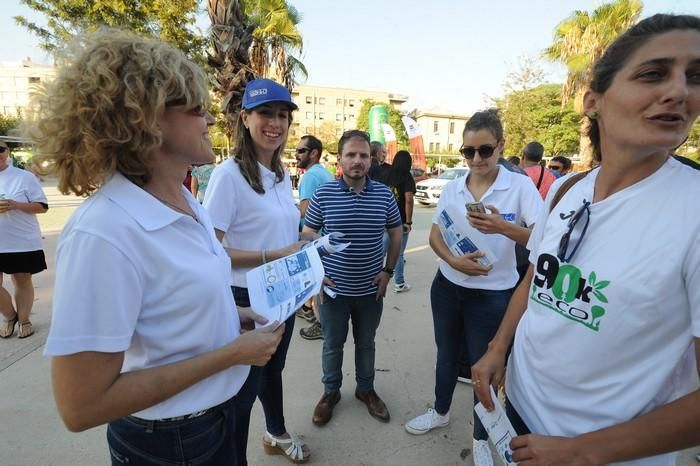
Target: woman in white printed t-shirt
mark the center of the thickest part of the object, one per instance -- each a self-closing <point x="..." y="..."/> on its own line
<point x="607" y="320"/>
<point x="252" y="207"/>
<point x="469" y="299"/>
<point x="145" y="334"/>
<point x="21" y="253"/>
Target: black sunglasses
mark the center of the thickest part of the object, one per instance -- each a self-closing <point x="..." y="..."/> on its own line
<point x="303" y="150"/>
<point x="2" y="149"/>
<point x="556" y="167"/>
<point x="484" y="151"/>
<point x="564" y="241"/>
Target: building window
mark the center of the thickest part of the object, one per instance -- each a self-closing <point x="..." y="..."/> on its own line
<point x="431" y="147"/>
<point x="309" y="130"/>
<point x="309" y="115"/>
<point x="321" y="116"/>
<point x="435" y="126"/>
<point x="322" y="101"/>
<point x="351" y="103"/>
<point x="338" y="117"/>
<point x="338" y="131"/>
<point x="34" y="80"/>
<point x="452" y="128"/>
<point x="339" y="102"/>
<point x="449" y="147"/>
<point x="437" y="146"/>
<point x="351" y="116"/>
<point x="309" y="99"/>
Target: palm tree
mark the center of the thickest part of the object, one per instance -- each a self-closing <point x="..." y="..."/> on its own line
<point x="231" y="38"/>
<point x="579" y="41"/>
<point x="276" y="40"/>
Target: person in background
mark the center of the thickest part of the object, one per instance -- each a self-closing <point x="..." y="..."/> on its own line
<point x="532" y="164"/>
<point x="144" y="333"/>
<point x="514" y="159"/>
<point x="469" y="298"/>
<point x="612" y="298"/>
<point x="402" y="185"/>
<point x="200" y="180"/>
<point x="255" y="215"/>
<point x="560" y="165"/>
<point x="379" y="169"/>
<point x="21" y="253"/>
<point x="308" y="153"/>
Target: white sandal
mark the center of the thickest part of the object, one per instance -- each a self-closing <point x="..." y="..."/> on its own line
<point x="278" y="446"/>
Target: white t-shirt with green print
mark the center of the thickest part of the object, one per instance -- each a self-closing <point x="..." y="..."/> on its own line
<point x="608" y="336"/>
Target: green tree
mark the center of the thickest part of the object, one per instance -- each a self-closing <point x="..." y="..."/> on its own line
<point x="394" y="120"/>
<point x="691" y="147"/>
<point x="8" y="123"/>
<point x="328" y="134"/>
<point x="579" y="41"/>
<point x="170" y="20"/>
<point x="277" y="42"/>
<point x="537" y="115"/>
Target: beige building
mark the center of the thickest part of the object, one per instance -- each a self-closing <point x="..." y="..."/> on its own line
<point x="442" y="133"/>
<point x="333" y="108"/>
<point x="17" y="81"/>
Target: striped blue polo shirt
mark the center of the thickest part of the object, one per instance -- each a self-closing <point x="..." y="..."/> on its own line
<point x="362" y="217"/>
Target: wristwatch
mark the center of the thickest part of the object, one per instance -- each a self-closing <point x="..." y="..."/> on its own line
<point x="388" y="271"/>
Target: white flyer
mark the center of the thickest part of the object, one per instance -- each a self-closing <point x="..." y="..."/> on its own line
<point x="277" y="289"/>
<point x="500" y="430"/>
<point x="462" y="238"/>
<point x="329" y="244"/>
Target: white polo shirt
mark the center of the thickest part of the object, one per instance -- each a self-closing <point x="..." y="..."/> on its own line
<point x="251" y="221"/>
<point x="133" y="275"/>
<point x="19" y="231"/>
<point x="518" y="201"/>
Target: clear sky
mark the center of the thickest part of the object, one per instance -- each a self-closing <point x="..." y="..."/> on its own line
<point x="447" y="55"/>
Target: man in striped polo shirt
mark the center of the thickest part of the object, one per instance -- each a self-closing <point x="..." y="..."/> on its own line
<point x="362" y="209"/>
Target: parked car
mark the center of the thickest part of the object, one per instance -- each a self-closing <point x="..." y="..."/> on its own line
<point x="428" y="191"/>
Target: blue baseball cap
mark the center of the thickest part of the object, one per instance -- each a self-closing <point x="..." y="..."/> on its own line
<point x="264" y="91"/>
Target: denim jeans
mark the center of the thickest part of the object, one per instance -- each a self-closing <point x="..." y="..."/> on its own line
<point x="462" y="318"/>
<point x="265" y="382"/>
<point x="398" y="272"/>
<point x="205" y="440"/>
<point x="365" y="312"/>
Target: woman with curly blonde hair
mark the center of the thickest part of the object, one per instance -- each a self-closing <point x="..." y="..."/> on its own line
<point x="145" y="334"/>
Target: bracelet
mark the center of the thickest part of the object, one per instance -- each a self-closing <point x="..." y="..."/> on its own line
<point x="389" y="271"/>
<point x="408" y="223"/>
<point x="264" y="258"/>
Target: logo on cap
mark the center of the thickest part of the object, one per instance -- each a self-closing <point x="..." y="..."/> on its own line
<point x="257" y="92"/>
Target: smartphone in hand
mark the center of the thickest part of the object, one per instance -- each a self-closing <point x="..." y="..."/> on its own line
<point x="475" y="207"/>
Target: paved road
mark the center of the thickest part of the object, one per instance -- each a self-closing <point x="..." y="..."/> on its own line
<point x="32" y="434"/>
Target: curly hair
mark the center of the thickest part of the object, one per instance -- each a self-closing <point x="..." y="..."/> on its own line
<point x="100" y="114"/>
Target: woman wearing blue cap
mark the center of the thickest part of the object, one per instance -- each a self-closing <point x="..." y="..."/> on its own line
<point x="250" y="201"/>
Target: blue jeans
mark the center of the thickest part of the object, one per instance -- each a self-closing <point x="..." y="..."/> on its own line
<point x="265" y="382"/>
<point x="366" y="312"/>
<point x="205" y="440"/>
<point x="462" y="318"/>
<point x="398" y="272"/>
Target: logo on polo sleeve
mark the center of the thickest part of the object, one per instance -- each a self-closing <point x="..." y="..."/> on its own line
<point x="563" y="289"/>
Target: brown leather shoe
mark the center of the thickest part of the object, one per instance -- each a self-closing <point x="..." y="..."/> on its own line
<point x="324" y="409"/>
<point x="375" y="405"/>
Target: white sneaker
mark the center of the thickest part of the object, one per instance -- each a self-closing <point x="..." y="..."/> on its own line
<point x="402" y="287"/>
<point x="481" y="453"/>
<point x="426" y="422"/>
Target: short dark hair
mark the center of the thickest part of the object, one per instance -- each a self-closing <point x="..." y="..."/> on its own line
<point x="564" y="161"/>
<point x="352" y="133"/>
<point x="313" y="143"/>
<point x="514" y="159"/>
<point x="616" y="55"/>
<point x="488" y="120"/>
<point x="533" y="151"/>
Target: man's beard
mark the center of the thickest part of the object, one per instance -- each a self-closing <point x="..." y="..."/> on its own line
<point x="303" y="163"/>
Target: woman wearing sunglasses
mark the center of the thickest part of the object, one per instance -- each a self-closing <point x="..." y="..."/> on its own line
<point x="607" y="321"/>
<point x="254" y="214"/>
<point x="21" y="253"/>
<point x="469" y="299"/>
<point x="145" y="333"/>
